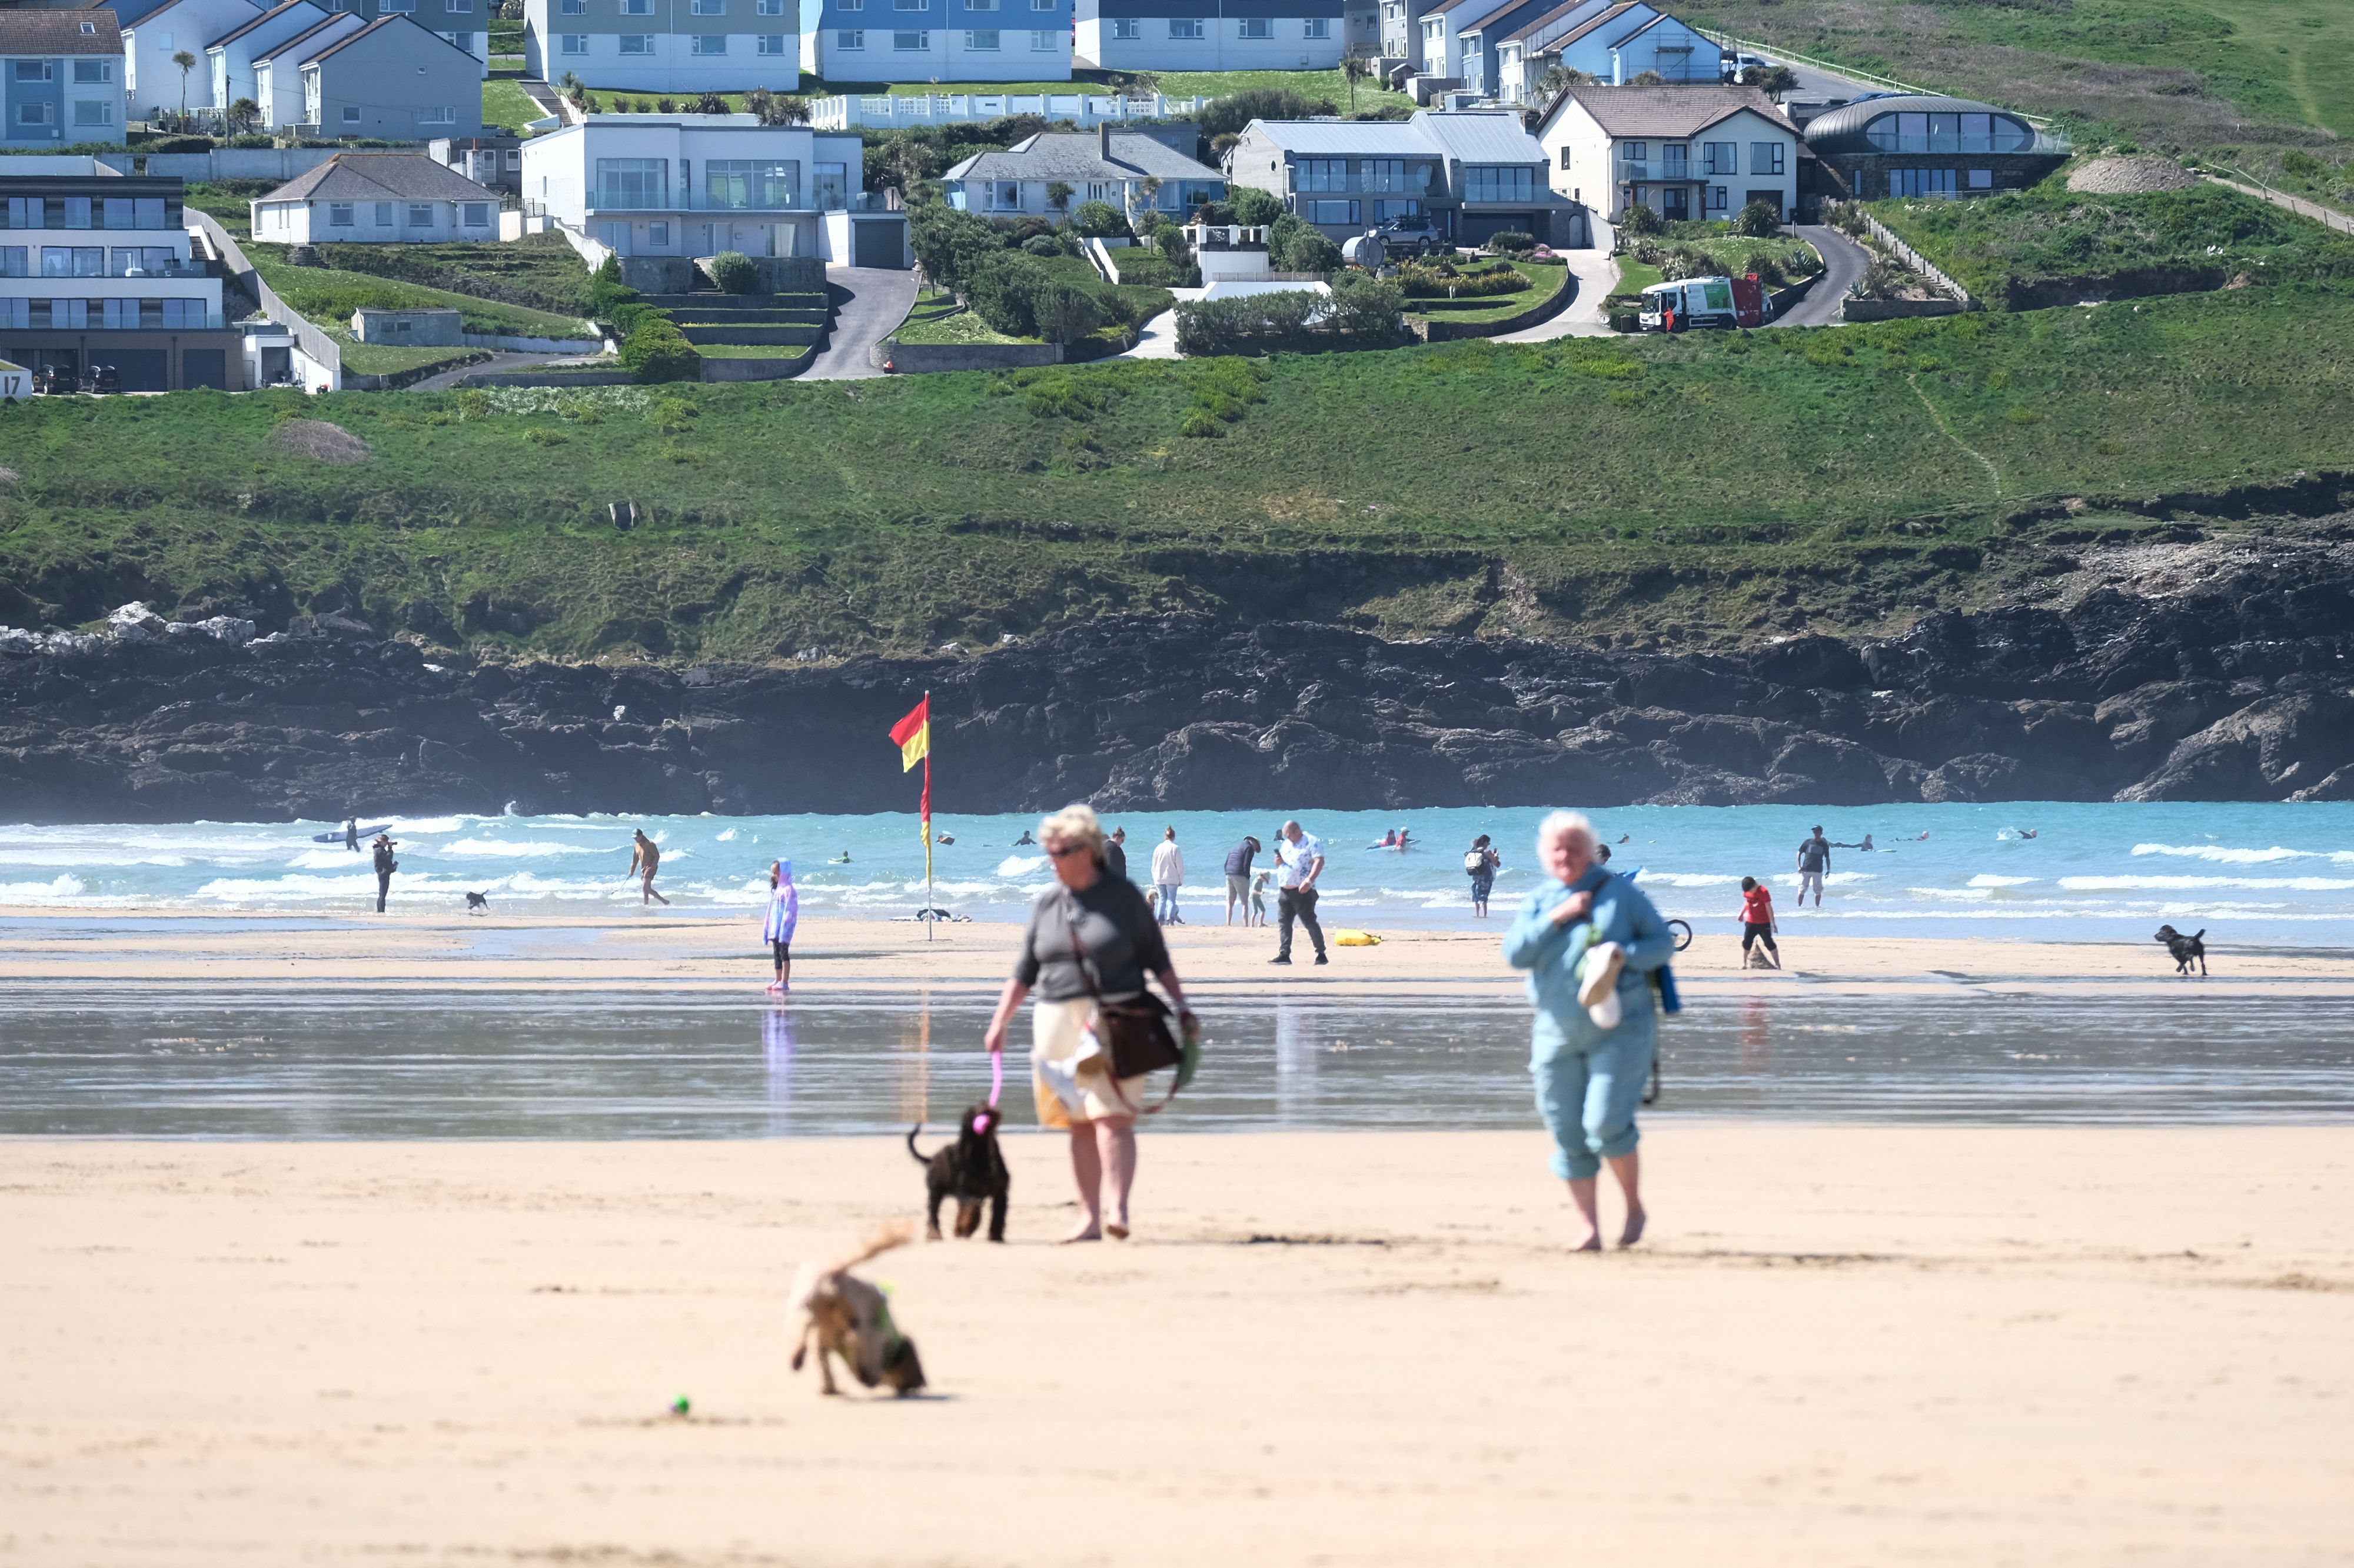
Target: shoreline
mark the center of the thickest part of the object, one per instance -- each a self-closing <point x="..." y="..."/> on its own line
<point x="1837" y="1345"/>
<point x="834" y="956"/>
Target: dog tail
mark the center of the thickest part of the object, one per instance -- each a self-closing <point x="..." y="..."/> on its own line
<point x="882" y="1240"/>
<point x="911" y="1144"/>
<point x="2195" y="935"/>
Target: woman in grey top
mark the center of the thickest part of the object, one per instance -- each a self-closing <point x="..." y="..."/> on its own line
<point x="1122" y="943"/>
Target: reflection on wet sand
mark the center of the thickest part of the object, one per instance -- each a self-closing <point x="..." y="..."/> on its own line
<point x="459" y="1064"/>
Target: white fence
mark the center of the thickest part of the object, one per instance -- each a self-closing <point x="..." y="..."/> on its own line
<point x="236" y="163"/>
<point x="881" y="111"/>
<point x="1886" y="238"/>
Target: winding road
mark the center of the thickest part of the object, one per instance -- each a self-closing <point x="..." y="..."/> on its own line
<point x="1843" y="262"/>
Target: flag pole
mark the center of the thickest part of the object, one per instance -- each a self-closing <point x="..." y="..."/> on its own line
<point x="931" y="910"/>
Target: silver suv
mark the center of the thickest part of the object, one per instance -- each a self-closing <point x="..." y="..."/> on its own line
<point x="1415" y="236"/>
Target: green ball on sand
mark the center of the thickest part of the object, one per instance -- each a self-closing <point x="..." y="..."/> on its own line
<point x="681" y="1406"/>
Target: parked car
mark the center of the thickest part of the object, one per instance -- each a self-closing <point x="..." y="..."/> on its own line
<point x="1702" y="303"/>
<point x="1730" y="67"/>
<point x="1412" y="237"/>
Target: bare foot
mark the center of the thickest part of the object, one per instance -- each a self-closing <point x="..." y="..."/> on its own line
<point x="1117" y="1233"/>
<point x="1634" y="1231"/>
<point x="1592" y="1243"/>
<point x="1085" y="1233"/>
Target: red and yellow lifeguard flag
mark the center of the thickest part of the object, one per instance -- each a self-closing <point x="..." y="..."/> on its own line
<point x="914" y="735"/>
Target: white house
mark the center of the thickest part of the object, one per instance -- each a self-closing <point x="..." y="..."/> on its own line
<point x="1209" y="34"/>
<point x="64" y="80"/>
<point x="1683" y="151"/>
<point x="151" y="80"/>
<point x="666" y="46"/>
<point x="1612" y="44"/>
<point x="696" y="185"/>
<point x="380" y="198"/>
<point x="230" y="55"/>
<point x="937" y="40"/>
<point x="1107" y="164"/>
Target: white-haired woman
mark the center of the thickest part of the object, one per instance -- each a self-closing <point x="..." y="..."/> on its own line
<point x="1090" y="936"/>
<point x="1590" y="941"/>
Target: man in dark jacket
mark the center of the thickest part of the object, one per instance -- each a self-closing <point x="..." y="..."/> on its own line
<point x="1239" y="876"/>
<point x="385" y="866"/>
<point x="1116" y="853"/>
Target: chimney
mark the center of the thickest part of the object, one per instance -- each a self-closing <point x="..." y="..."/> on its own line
<point x="1103" y="140"/>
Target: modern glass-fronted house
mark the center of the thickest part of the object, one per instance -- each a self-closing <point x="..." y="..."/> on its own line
<point x="1915" y="145"/>
<point x="693" y="184"/>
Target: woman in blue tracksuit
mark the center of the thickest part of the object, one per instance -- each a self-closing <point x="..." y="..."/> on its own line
<point x="1590" y="941"/>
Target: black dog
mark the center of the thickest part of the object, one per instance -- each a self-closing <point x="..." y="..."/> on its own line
<point x="480" y="901"/>
<point x="2184" y="948"/>
<point x="968" y="1169"/>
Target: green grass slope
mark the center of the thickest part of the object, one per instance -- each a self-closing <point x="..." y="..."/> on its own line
<point x="1709" y="485"/>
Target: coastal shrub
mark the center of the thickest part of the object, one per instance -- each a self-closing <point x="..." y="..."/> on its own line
<point x="1442" y="280"/>
<point x="1359" y="312"/>
<point x="1639" y="219"/>
<point x="1256" y="207"/>
<point x="1100" y="221"/>
<point x="1064" y="312"/>
<point x="1227" y="116"/>
<point x="948" y="244"/>
<point x="1512" y="241"/>
<point x="1758" y="220"/>
<point x="734" y="272"/>
<point x="655" y="351"/>
<point x="1203" y="425"/>
<point x="1042" y="245"/>
<point x="1310" y="251"/>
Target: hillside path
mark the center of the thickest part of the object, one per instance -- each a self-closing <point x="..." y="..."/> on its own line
<point x="2328" y="218"/>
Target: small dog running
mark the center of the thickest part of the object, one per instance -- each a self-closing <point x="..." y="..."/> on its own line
<point x="970" y="1169"/>
<point x="477" y="904"/>
<point x="843" y="1315"/>
<point x="2185" y="949"/>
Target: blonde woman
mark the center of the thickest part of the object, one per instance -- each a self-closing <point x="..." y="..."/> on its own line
<point x="1091" y="935"/>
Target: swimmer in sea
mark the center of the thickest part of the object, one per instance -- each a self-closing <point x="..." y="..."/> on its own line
<point x="2027" y="832"/>
<point x="1024" y="839"/>
<point x="841" y="859"/>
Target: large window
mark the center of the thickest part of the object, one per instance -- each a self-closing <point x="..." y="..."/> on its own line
<point x="637" y="7"/>
<point x="982" y="40"/>
<point x="1322" y="174"/>
<point x="1382" y="175"/>
<point x="1317" y="27"/>
<point x="707" y="44"/>
<point x="1126" y="27"/>
<point x="706" y="7"/>
<point x="752" y="184"/>
<point x="93" y="73"/>
<point x="1639" y="152"/>
<point x="34" y="71"/>
<point x="135" y="212"/>
<point x="73" y="261"/>
<point x="1949" y="134"/>
<point x="830" y="185"/>
<point x="768" y="7"/>
<point x="572" y="42"/>
<point x="633" y="182"/>
<point x="35" y="114"/>
<point x="636" y="43"/>
<point x="850" y="41"/>
<point x="13" y="259"/>
<point x="770" y="44"/>
<point x="420" y="215"/>
<point x="383" y="215"/>
<point x="1254" y="27"/>
<point x="1492" y="182"/>
<point x="1045" y="42"/>
<point x="574" y="8"/>
<point x="477" y="214"/>
<point x="1765" y="158"/>
<point x="1920" y="181"/>
<point x="1675" y="161"/>
<point x="911" y="43"/>
<point x="1719" y="157"/>
<point x="1004" y="196"/>
<point x="1185" y="27"/>
<point x="1334" y="212"/>
<point x="339" y="214"/>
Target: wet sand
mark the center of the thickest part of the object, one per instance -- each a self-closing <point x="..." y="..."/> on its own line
<point x="635" y="951"/>
<point x="1838" y="1346"/>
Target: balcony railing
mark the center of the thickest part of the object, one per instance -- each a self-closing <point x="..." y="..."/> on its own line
<point x="610" y="202"/>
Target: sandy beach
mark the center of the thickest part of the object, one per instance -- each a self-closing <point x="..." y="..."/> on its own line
<point x="635" y="951"/>
<point x="1848" y="1345"/>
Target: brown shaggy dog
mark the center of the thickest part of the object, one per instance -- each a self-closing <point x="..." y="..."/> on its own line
<point x="846" y="1317"/>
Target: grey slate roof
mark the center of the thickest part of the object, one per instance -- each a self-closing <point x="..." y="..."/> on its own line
<point x="59" y="33"/>
<point x="389" y="19"/>
<point x="380" y="176"/>
<point x="1073" y="157"/>
<point x="1554" y="45"/>
<point x="244" y="28"/>
<point x="1841" y="130"/>
<point x="1666" y="111"/>
<point x="1470" y="136"/>
<point x="1480" y="136"/>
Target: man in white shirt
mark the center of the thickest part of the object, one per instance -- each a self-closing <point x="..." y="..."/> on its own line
<point x="1299" y="859"/>
<point x="1168" y="875"/>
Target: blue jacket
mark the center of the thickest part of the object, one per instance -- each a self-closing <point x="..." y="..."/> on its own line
<point x="1551" y="954"/>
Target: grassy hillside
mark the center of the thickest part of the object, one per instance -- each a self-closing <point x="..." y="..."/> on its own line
<point x="1712" y="484"/>
<point x="2263" y="76"/>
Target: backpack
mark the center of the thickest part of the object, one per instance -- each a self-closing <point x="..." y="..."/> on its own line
<point x="1474" y="862"/>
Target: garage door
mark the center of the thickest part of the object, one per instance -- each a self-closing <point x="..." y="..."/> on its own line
<point x="205" y="367"/>
<point x="878" y="244"/>
<point x="1478" y="225"/>
<point x="142" y="369"/>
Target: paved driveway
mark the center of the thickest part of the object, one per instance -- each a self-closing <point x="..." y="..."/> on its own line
<point x="1843" y="262"/>
<point x="879" y="300"/>
<point x="1596" y="271"/>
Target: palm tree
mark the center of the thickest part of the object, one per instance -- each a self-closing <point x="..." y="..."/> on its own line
<point x="1356" y="67"/>
<point x="1058" y="195"/>
<point x="187" y="62"/>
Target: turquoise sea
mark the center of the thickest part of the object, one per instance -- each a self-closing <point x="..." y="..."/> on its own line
<point x="2271" y="873"/>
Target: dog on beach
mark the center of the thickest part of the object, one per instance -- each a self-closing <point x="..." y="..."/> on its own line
<point x="477" y="904"/>
<point x="2184" y="950"/>
<point x="969" y="1170"/>
<point x="842" y="1314"/>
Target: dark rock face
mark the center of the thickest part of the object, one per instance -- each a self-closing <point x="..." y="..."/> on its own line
<point x="2228" y="680"/>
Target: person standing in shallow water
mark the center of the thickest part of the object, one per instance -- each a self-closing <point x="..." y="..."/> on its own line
<point x="643" y="860"/>
<point x="777" y="927"/>
<point x="1590" y="941"/>
<point x="385" y="866"/>
<point x="1482" y="861"/>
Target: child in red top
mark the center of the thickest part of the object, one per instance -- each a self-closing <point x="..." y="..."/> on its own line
<point x="1758" y="920"/>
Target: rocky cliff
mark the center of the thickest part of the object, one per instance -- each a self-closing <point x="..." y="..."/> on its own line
<point x="2215" y="669"/>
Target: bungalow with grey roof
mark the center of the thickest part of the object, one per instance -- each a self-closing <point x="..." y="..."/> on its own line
<point x="1473" y="173"/>
<point x="1130" y="168"/>
<point x="379" y="198"/>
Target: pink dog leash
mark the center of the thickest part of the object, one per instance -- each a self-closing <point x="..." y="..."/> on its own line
<point x="996" y="1087"/>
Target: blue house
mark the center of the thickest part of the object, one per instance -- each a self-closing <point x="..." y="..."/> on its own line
<point x="61" y="72"/>
<point x="858" y="41"/>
